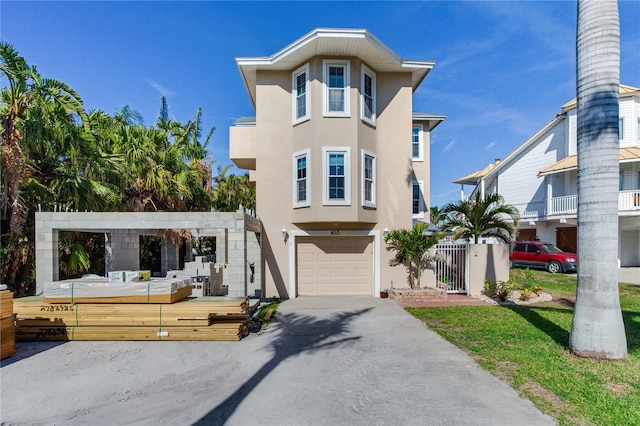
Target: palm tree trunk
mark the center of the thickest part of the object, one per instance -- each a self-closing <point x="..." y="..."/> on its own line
<point x="598" y="330"/>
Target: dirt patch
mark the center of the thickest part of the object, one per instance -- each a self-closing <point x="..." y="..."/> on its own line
<point x="619" y="389"/>
<point x="515" y="299"/>
<point x="558" y="407"/>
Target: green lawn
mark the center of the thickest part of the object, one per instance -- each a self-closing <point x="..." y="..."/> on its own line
<point x="527" y="346"/>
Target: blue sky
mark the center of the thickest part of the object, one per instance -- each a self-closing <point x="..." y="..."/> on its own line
<point x="503" y="69"/>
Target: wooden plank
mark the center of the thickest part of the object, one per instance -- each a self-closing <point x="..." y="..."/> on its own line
<point x="190" y="319"/>
<point x="143" y="333"/>
<point x="6" y="303"/>
<point x="178" y="295"/>
<point x="7" y="338"/>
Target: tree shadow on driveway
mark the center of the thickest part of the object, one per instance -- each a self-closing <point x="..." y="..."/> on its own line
<point x="296" y="334"/>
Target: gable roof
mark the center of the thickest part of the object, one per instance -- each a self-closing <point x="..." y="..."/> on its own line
<point x="624" y="91"/>
<point x="332" y="42"/>
<point x="571" y="162"/>
<point x="474" y="178"/>
<point x="526" y="144"/>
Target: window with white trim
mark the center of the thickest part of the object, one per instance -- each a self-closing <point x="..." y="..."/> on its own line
<point x="621" y="128"/>
<point x="336" y="175"/>
<point x="300" y="94"/>
<point x="336" y="83"/>
<point x="301" y="187"/>
<point x="417" y="200"/>
<point x="368" y="179"/>
<point x="416" y="143"/>
<point x="368" y="95"/>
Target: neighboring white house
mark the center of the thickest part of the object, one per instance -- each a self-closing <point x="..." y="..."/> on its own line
<point x="540" y="179"/>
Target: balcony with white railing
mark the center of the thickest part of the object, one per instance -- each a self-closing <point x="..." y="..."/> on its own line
<point x="564" y="205"/>
<point x="628" y="201"/>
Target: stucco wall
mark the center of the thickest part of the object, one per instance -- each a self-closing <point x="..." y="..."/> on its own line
<point x="487" y="261"/>
<point x="278" y="139"/>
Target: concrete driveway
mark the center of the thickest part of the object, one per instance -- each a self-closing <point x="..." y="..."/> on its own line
<point x="629" y="275"/>
<point x="327" y="361"/>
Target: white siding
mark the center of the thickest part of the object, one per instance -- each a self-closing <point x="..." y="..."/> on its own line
<point x="546" y="232"/>
<point x="629" y="109"/>
<point x="629" y="247"/>
<point x="572" y="130"/>
<point x="636" y="124"/>
<point x="519" y="182"/>
<point x="630" y="121"/>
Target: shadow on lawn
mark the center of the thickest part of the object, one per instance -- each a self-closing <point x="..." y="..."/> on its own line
<point x="296" y="334"/>
<point x="561" y="336"/>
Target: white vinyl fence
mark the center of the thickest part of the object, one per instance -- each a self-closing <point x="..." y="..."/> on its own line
<point x="451" y="266"/>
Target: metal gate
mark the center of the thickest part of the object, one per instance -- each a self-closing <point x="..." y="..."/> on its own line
<point x="451" y="266"/>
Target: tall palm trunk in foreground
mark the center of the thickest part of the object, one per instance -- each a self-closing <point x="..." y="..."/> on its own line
<point x="598" y="330"/>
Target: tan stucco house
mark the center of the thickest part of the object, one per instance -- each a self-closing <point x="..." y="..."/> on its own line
<point x="338" y="157"/>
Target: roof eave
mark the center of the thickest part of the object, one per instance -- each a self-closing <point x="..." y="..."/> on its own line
<point x="524" y="146"/>
<point x="249" y="65"/>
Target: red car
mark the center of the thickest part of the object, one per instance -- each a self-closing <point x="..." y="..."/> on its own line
<point x="538" y="254"/>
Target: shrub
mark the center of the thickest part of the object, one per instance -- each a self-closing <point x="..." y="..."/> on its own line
<point x="499" y="289"/>
<point x="529" y="280"/>
<point x="526" y="294"/>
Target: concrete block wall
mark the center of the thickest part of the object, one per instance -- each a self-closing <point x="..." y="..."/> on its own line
<point x="235" y="274"/>
<point x="124" y="250"/>
<point x="124" y="229"/>
<point x="170" y="256"/>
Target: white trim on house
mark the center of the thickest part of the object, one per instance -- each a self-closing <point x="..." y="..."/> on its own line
<point x="420" y="156"/>
<point x="346" y="151"/>
<point x="306" y="153"/>
<point x="333" y="42"/>
<point x="366" y="71"/>
<point x="421" y="211"/>
<point x="294" y="95"/>
<point x="293" y="234"/>
<point x="327" y="90"/>
<point x="365" y="202"/>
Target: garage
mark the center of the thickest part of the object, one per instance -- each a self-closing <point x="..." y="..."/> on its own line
<point x="334" y="265"/>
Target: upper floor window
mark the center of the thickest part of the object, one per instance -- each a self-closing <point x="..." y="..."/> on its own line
<point x="368" y="95"/>
<point x="417" y="200"/>
<point x="336" y="83"/>
<point x="638" y="129"/>
<point x="416" y="143"/>
<point x="621" y="128"/>
<point x="300" y="94"/>
<point x="336" y="174"/>
<point x="301" y="179"/>
<point x="368" y="179"/>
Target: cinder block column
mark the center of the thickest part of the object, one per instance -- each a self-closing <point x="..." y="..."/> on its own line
<point x="47" y="262"/>
<point x="125" y="246"/>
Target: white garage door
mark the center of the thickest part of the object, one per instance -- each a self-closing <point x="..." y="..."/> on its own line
<point x="335" y="266"/>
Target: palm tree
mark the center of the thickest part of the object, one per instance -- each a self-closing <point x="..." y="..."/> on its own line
<point x="412" y="247"/>
<point x="437" y="215"/>
<point x="30" y="107"/>
<point x="481" y="217"/>
<point x="597" y="330"/>
<point x="231" y="191"/>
